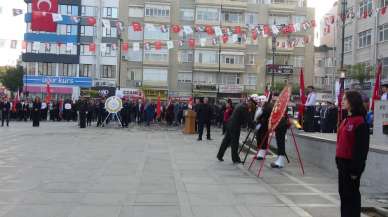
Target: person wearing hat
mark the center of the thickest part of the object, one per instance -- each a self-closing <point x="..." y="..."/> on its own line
<point x="241" y="116"/>
<point x="384" y="95"/>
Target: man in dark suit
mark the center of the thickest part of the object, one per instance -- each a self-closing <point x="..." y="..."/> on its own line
<point x="5" y="107"/>
<point x="125" y="113"/>
<point x="204" y="115"/>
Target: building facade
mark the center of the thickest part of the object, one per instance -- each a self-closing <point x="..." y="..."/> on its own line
<point x="366" y="35"/>
<point x="209" y="69"/>
<point x="231" y="69"/>
<point x="325" y="71"/>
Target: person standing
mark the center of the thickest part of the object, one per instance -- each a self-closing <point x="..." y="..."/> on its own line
<point x="241" y="116"/>
<point x="5" y="112"/>
<point x="35" y="113"/>
<point x="227" y="113"/>
<point x="384" y="95"/>
<point x="204" y="119"/>
<point x="308" y="123"/>
<point x="125" y="113"/>
<point x="351" y="153"/>
<point x="83" y="110"/>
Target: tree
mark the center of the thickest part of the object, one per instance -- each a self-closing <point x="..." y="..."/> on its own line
<point x="12" y="78"/>
<point x="359" y="72"/>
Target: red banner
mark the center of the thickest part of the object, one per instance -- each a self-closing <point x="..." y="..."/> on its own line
<point x="376" y="89"/>
<point x="42" y="19"/>
<point x="301" y="94"/>
<point x="279" y="109"/>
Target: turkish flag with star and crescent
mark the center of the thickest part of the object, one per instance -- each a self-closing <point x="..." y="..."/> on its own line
<point x="42" y="19"/>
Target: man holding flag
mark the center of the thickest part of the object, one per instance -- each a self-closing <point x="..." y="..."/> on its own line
<point x="302" y="97"/>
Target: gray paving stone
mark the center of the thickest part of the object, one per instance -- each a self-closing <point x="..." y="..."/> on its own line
<point x="95" y="211"/>
<point x="113" y="199"/>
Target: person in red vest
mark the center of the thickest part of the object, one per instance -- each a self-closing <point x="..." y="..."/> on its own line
<point x="351" y="153"/>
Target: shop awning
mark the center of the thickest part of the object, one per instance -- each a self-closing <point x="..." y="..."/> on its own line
<point x="54" y="90"/>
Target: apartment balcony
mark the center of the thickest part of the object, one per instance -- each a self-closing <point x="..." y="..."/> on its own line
<point x="207" y="67"/>
<point x="283" y="6"/>
<point x="155" y="84"/>
<point x="232" y="67"/>
<point x="231" y="24"/>
<point x="249" y="88"/>
<point x="134" y="83"/>
<point x="207" y="22"/>
<point x="184" y="86"/>
<point x="241" y="46"/>
<point x="155" y="62"/>
<point x="153" y="19"/>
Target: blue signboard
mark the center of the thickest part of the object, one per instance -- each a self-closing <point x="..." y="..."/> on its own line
<point x="85" y="82"/>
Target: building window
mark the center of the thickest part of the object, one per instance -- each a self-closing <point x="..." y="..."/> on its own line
<point x="110" y="50"/>
<point x="47" y="69"/>
<point x="157" y="11"/>
<point x="232" y="17"/>
<point x="154" y="74"/>
<point x="299" y="19"/>
<point x="251" y="19"/>
<point x="134" y="74"/>
<point x="383" y="3"/>
<point x="109" y="32"/>
<point x="206" y="57"/>
<point x="385" y="68"/>
<point x="187" y="14"/>
<point x="156" y="55"/>
<point x="134" y="36"/>
<point x="298" y="61"/>
<point x="204" y="78"/>
<point x="208" y="14"/>
<point x="67" y="29"/>
<point x="135" y="12"/>
<point x="365" y="38"/>
<point x="278" y="20"/>
<point x="31" y="67"/>
<point x="68" y="49"/>
<point x="230" y="78"/>
<point x="383" y="32"/>
<point x="348" y="42"/>
<point x="67" y="69"/>
<point x="109" y="12"/>
<point x="85" y="70"/>
<point x="84" y="50"/>
<point x="88" y="11"/>
<point x="251" y="59"/>
<point x="251" y="79"/>
<point x="152" y="32"/>
<point x="88" y="31"/>
<point x="69" y="10"/>
<point x="232" y="59"/>
<point x="185" y="77"/>
<point x="135" y="56"/>
<point x="365" y="7"/>
<point x="185" y="56"/>
<point x="108" y="71"/>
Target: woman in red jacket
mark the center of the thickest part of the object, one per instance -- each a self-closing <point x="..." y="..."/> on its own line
<point x="351" y="153"/>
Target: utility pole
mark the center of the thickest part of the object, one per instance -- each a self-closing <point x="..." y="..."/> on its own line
<point x="273" y="59"/>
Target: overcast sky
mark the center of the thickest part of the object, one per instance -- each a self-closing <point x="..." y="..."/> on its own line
<point x="13" y="28"/>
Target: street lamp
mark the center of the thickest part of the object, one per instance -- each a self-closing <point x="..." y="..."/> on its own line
<point x="119" y="67"/>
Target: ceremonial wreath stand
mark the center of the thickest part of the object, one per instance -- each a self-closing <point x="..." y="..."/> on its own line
<point x="113" y="106"/>
<point x="277" y="114"/>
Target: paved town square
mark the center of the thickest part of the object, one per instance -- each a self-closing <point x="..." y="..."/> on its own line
<point x="59" y="170"/>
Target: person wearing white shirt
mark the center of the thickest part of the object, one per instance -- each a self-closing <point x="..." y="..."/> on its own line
<point x="308" y="123"/>
<point x="384" y="88"/>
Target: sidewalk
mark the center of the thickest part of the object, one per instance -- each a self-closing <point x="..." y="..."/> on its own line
<point x="59" y="170"/>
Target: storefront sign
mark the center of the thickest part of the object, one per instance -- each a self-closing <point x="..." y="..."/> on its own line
<point x="153" y="94"/>
<point x="60" y="80"/>
<point x="205" y="87"/>
<point x="230" y="88"/>
<point x="280" y="69"/>
<point x="130" y="93"/>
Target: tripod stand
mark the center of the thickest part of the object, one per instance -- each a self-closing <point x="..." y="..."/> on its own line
<point x="251" y="131"/>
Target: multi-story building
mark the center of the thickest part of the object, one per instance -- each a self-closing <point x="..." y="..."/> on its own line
<point x="231" y="69"/>
<point x="325" y="71"/>
<point x="366" y="34"/>
<point x="64" y="59"/>
<point x="328" y="27"/>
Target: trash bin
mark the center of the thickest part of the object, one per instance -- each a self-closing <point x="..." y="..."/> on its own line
<point x="189" y="122"/>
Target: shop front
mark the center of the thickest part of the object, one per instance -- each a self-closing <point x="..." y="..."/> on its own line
<point x="153" y="94"/>
<point x="208" y="91"/>
<point x="230" y="91"/>
<point x="180" y="96"/>
<point x="60" y="87"/>
<point x="132" y="94"/>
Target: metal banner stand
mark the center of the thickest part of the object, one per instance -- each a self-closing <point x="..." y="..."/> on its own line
<point x="113" y="115"/>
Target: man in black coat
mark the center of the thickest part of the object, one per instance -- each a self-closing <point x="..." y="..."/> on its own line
<point x="242" y="115"/>
<point x="83" y="110"/>
<point x="204" y="116"/>
<point x="125" y="113"/>
<point x="5" y="107"/>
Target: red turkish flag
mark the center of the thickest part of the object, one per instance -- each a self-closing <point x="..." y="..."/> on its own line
<point x="254" y="34"/>
<point x="125" y="46"/>
<point x="383" y="10"/>
<point x="209" y="30"/>
<point x="92" y="47"/>
<point x="301" y="94"/>
<point x="237" y="30"/>
<point x="42" y="19"/>
<point x="176" y="28"/>
<point x="191" y="42"/>
<point x="158" y="45"/>
<point x="376" y="89"/>
<point x="136" y="27"/>
<point x="91" y="21"/>
<point x="225" y="38"/>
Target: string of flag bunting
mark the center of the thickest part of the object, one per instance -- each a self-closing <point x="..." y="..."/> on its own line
<point x="350" y="15"/>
